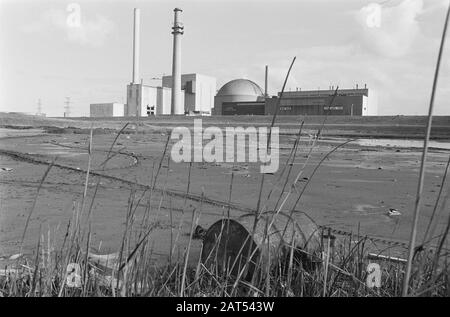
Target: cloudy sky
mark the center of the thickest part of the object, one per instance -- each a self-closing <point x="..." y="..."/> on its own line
<point x="389" y="45"/>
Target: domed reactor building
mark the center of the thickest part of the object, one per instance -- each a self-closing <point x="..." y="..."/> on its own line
<point x="245" y="97"/>
<point x="239" y="97"/>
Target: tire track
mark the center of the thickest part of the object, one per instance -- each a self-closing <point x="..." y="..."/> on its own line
<point x="174" y="193"/>
<point x="134" y="156"/>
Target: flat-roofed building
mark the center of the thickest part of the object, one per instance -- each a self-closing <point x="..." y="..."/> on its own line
<point x="348" y="102"/>
<point x="145" y="100"/>
<point x="198" y="91"/>
<point x="109" y="109"/>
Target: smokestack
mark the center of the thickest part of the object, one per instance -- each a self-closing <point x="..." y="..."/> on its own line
<point x="178" y="30"/>
<point x="265" y="82"/>
<point x="136" y="35"/>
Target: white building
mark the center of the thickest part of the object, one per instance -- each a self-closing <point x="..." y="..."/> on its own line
<point x="111" y="109"/>
<point x="163" y="100"/>
<point x="141" y="98"/>
<point x="199" y="92"/>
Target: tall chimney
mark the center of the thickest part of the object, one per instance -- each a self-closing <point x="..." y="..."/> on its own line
<point x="136" y="35"/>
<point x="178" y="30"/>
<point x="266" y="94"/>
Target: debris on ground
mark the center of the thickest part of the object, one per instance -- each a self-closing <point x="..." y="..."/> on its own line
<point x="393" y="212"/>
<point x="106" y="260"/>
<point x="236" y="168"/>
<point x="199" y="233"/>
<point x="234" y="240"/>
<point x="15" y="256"/>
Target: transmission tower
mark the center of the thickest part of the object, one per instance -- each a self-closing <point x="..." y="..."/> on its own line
<point x="39" y="107"/>
<point x="67" y="107"/>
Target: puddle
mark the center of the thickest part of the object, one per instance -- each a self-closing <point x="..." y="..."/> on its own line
<point x="5" y="132"/>
<point x="365" y="209"/>
<point x="399" y="143"/>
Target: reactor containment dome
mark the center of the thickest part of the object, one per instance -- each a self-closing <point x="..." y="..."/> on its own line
<point x="238" y="90"/>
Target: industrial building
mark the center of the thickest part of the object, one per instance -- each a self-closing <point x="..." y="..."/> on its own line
<point x="197" y="91"/>
<point x="178" y="94"/>
<point x="111" y="109"/>
<point x="193" y="93"/>
<point x="181" y="94"/>
<point x="348" y="102"/>
<point x="145" y="100"/>
<point x="239" y="96"/>
<point x="244" y="97"/>
<point x="196" y="97"/>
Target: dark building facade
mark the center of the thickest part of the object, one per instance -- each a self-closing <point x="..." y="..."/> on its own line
<point x="244" y="97"/>
<point x="348" y="102"/>
<point x="243" y="108"/>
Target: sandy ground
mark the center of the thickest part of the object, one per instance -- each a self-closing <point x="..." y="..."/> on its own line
<point x="351" y="191"/>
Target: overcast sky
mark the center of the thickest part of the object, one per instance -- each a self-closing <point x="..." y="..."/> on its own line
<point x="336" y="43"/>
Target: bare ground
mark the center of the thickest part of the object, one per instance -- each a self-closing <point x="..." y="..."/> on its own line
<point x="351" y="191"/>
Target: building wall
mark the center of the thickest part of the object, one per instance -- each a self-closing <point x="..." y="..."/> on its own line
<point x="348" y="102"/>
<point x="243" y="108"/>
<point x="372" y="103"/>
<point x="205" y="90"/>
<point x="164" y="98"/>
<point x="111" y="109"/>
<point x="118" y="110"/>
<point x="346" y="105"/>
<point x="149" y="98"/>
<point x="220" y="100"/>
<point x="139" y="96"/>
<point x="187" y="81"/>
<point x="199" y="91"/>
<point x="365" y="106"/>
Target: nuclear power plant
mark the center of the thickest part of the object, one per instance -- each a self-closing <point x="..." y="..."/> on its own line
<point x="179" y="94"/>
<point x="196" y="94"/>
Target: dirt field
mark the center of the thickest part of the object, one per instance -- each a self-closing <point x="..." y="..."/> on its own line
<point x="352" y="190"/>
